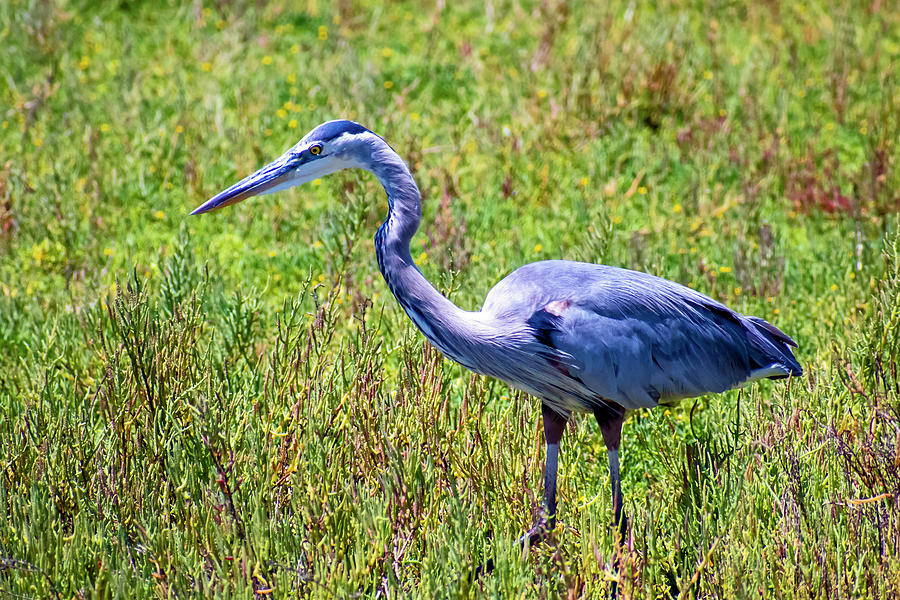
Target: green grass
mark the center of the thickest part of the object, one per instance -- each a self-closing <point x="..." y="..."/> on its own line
<point x="234" y="406"/>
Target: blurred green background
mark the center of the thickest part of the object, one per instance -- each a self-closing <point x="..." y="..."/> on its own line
<point x="233" y="405"/>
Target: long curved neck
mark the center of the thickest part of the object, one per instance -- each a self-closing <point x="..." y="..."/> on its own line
<point x="404" y="215"/>
<point x="445" y="325"/>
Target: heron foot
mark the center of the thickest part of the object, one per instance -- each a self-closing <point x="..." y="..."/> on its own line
<point x="534" y="536"/>
<point x="538" y="532"/>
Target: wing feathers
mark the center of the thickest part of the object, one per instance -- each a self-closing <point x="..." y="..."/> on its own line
<point x="634" y="339"/>
<point x="772" y="330"/>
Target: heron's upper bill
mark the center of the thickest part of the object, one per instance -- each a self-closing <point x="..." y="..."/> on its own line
<point x="274" y="176"/>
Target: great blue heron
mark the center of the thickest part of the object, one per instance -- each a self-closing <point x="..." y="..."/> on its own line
<point x="580" y="337"/>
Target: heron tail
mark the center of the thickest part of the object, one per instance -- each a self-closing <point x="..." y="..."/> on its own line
<point x="770" y="351"/>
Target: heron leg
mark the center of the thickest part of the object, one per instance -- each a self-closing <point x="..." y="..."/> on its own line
<point x="554" y="426"/>
<point x="616" y="484"/>
<point x="610" y="421"/>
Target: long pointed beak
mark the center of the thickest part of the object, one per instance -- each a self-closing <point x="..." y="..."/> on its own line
<point x="273" y="175"/>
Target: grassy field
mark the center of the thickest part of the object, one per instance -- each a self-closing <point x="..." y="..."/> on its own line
<point x="234" y="406"/>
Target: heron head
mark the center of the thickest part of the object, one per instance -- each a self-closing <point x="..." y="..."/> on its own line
<point x="330" y="147"/>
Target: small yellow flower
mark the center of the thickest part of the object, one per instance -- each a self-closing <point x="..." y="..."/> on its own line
<point x="38" y="141"/>
<point x="317" y="244"/>
<point x="676" y="208"/>
<point x="84" y="63"/>
<point x="267" y="60"/>
<point x="104" y="127"/>
<point x="207" y="66"/>
<point x="422" y="258"/>
<point x="37" y="253"/>
<point x="107" y="252"/>
<point x="292" y="123"/>
<point x="386" y="52"/>
<point x="295" y="49"/>
<point x="776" y="311"/>
<point x="642" y="190"/>
<point x="707" y="75"/>
<point x="272" y="253"/>
<point x="724" y="269"/>
<point x="291" y="78"/>
<point x="834" y="287"/>
<point x="323" y="33"/>
<point x="542" y="94"/>
<point x="721" y="112"/>
<point x="388" y="85"/>
<point x="281" y="113"/>
<point x="737" y="291"/>
<point x="179" y="129"/>
<point x="267" y="132"/>
<point x="159" y="215"/>
<point x="414" y="117"/>
<point x="317" y="182"/>
<point x="538" y="248"/>
<point x="583" y="181"/>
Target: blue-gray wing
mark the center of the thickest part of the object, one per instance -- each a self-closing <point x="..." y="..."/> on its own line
<point x="635" y="339"/>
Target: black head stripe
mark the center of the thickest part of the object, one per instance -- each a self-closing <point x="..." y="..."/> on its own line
<point x="332" y="129"/>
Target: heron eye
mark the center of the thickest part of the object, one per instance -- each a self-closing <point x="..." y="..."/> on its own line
<point x="316" y="150"/>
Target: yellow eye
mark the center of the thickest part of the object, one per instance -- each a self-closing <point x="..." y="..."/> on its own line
<point x="315" y="150"/>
